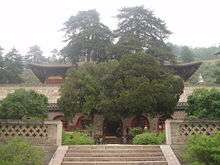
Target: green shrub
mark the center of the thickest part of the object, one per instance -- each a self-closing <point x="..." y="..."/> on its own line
<point x="136" y="131"/>
<point x="76" y="138"/>
<point x="149" y="138"/>
<point x="203" y="150"/>
<point x="19" y="152"/>
<point x="204" y="103"/>
<point x="24" y="104"/>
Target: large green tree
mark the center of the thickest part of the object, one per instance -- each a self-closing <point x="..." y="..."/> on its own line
<point x="83" y="89"/>
<point x="140" y="30"/>
<point x="35" y="55"/>
<point x="131" y="86"/>
<point x="11" y="67"/>
<point x="186" y="54"/>
<point x="86" y="37"/>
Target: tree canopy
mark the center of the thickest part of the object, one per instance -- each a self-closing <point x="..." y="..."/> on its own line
<point x="11" y="67"/>
<point x="35" y="55"/>
<point x="86" y="37"/>
<point x="186" y="55"/>
<point x="140" y="30"/>
<point x="131" y="86"/>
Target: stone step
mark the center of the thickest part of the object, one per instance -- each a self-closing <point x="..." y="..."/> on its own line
<point x="116" y="163"/>
<point x="156" y="158"/>
<point x="112" y="140"/>
<point x="113" y="154"/>
<point x="113" y="150"/>
<point x="116" y="146"/>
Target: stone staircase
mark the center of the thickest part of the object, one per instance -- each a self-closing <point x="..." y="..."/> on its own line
<point x="112" y="140"/>
<point x="114" y="154"/>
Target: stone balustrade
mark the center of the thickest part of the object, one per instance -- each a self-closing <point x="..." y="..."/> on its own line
<point x="47" y="133"/>
<point x="177" y="131"/>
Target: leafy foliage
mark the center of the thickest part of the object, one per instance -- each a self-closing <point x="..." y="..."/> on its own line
<point x="136" y="131"/>
<point x="21" y="104"/>
<point x="11" y="67"/>
<point x="204" y="103"/>
<point x="82" y="90"/>
<point x="139" y="30"/>
<point x="136" y="84"/>
<point x="76" y="138"/>
<point x="203" y="150"/>
<point x="186" y="55"/>
<point x="86" y="37"/>
<point x="35" y="55"/>
<point x="20" y="152"/>
<point x="141" y="85"/>
<point x="149" y="138"/>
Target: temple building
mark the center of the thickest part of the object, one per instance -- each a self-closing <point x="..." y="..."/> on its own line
<point x="52" y="76"/>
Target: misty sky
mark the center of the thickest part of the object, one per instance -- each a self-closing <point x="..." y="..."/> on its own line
<point x="24" y="23"/>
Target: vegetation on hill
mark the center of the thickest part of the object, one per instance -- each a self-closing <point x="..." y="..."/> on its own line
<point x="198" y="54"/>
<point x="210" y="72"/>
<point x="204" y="103"/>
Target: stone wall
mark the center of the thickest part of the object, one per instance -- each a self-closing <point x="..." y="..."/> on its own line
<point x="52" y="92"/>
<point x="177" y="131"/>
<point x="46" y="133"/>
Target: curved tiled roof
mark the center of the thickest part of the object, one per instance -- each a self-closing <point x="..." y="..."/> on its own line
<point x="184" y="70"/>
<point x="43" y="71"/>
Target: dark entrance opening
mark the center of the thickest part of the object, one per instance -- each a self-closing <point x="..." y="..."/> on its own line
<point x="112" y="127"/>
<point x="141" y="122"/>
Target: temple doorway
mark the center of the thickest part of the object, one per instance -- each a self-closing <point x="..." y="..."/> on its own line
<point x="112" y="127"/>
<point x="141" y="122"/>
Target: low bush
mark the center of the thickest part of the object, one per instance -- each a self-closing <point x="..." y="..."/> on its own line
<point x="24" y="104"/>
<point x="149" y="138"/>
<point x="203" y="150"/>
<point x="136" y="131"/>
<point x="19" y="152"/>
<point x="76" y="138"/>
